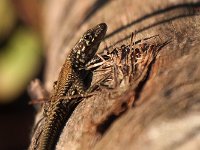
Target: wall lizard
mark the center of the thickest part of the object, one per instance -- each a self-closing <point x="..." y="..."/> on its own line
<point x="70" y="81"/>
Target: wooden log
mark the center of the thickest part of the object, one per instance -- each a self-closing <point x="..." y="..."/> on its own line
<point x="161" y="109"/>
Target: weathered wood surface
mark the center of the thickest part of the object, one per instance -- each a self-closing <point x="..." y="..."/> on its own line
<point x="166" y="112"/>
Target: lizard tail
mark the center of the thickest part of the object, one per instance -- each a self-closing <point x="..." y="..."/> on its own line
<point x="57" y="118"/>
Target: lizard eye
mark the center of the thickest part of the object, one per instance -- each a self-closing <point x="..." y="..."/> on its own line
<point x="88" y="37"/>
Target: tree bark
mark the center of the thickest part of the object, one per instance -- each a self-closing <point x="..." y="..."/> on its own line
<point x="160" y="110"/>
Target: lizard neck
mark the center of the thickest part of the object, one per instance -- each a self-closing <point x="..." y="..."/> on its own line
<point x="75" y="60"/>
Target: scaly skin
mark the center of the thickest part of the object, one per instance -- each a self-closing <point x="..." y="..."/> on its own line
<point x="70" y="81"/>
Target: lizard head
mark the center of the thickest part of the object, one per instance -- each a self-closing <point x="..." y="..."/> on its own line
<point x="87" y="46"/>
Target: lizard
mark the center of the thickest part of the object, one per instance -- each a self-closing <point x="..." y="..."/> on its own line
<point x="70" y="81"/>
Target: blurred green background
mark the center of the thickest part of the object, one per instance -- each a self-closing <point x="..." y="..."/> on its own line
<point x="21" y="58"/>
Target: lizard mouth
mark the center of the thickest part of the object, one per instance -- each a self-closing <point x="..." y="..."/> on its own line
<point x="103" y="26"/>
<point x="100" y="31"/>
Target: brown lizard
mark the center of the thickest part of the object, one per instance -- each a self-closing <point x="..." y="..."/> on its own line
<point x="70" y="82"/>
